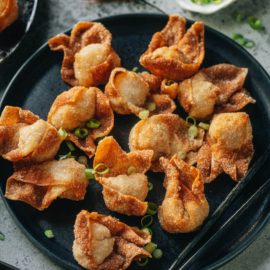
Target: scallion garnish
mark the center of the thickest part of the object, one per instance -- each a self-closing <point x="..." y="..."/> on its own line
<point x="136" y="227"/>
<point x="142" y="263"/>
<point x="249" y="44"/>
<point x="81" y="132"/>
<point x="151" y="247"/>
<point x="152" y="208"/>
<point x="144" y="114"/>
<point x="182" y="154"/>
<point x="62" y="133"/>
<point x="147" y="230"/>
<point x="201" y="2"/>
<point x="150" y="186"/>
<point x="150" y="106"/>
<point x="191" y="145"/>
<point x="49" y="234"/>
<point x="145" y="73"/>
<point x="238" y="38"/>
<point x="170" y="82"/>
<point x="255" y="23"/>
<point x="131" y="170"/>
<point x="238" y="17"/>
<point x="93" y="123"/>
<point x="135" y="69"/>
<point x="70" y="145"/>
<point x="204" y="126"/>
<point x="145" y="217"/>
<point x="103" y="172"/>
<point x="89" y="173"/>
<point x="193" y="131"/>
<point x="193" y="119"/>
<point x="82" y="160"/>
<point x="217" y="2"/>
<point x="61" y="157"/>
<point x="2" y="236"/>
<point x="157" y="254"/>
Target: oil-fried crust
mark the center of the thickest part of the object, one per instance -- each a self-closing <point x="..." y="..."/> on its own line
<point x="170" y="90"/>
<point x="8" y="13"/>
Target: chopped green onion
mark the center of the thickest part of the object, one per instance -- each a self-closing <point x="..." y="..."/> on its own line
<point x="142" y="263"/>
<point x="136" y="227"/>
<point x="170" y="82"/>
<point x="81" y="132"/>
<point x="135" y="69"/>
<point x="217" y="2"/>
<point x="89" y="173"/>
<point x="70" y="145"/>
<point x="144" y="114"/>
<point x="82" y="160"/>
<point x="147" y="230"/>
<point x="62" y="133"/>
<point x="151" y="247"/>
<point x="150" y="106"/>
<point x="238" y="17"/>
<point x="191" y="145"/>
<point x="145" y="217"/>
<point x="145" y="73"/>
<point x="193" y="119"/>
<point x="131" y="170"/>
<point x="204" y="126"/>
<point x="152" y="208"/>
<point x="182" y="154"/>
<point x="49" y="234"/>
<point x="255" y="23"/>
<point x="93" y="123"/>
<point x="238" y="38"/>
<point x="193" y="131"/>
<point x="251" y="42"/>
<point x="61" y="157"/>
<point x="157" y="254"/>
<point x="2" y="236"/>
<point x="150" y="186"/>
<point x="101" y="164"/>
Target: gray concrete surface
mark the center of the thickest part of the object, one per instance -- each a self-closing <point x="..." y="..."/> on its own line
<point x="54" y="16"/>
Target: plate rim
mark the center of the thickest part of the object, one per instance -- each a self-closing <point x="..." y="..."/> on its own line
<point x="61" y="261"/>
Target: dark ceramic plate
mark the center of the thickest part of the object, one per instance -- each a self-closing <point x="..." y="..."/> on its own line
<point x="12" y="36"/>
<point x="5" y="266"/>
<point x="36" y="86"/>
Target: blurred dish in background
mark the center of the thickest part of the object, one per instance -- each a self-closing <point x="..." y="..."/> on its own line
<point x="8" y="13"/>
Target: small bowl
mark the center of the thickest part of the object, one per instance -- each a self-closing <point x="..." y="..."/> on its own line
<point x="204" y="9"/>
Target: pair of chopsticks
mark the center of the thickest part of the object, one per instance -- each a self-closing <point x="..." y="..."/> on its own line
<point x="220" y="210"/>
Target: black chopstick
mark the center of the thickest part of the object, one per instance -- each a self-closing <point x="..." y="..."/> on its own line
<point x="214" y="239"/>
<point x="222" y="208"/>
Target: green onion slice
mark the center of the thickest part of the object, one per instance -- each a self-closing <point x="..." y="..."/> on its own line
<point x="150" y="186"/>
<point x="191" y="145"/>
<point x="151" y="247"/>
<point x="217" y="2"/>
<point x="193" y="131"/>
<point x="238" y="38"/>
<point x="145" y="73"/>
<point x="182" y="154"/>
<point x="70" y="145"/>
<point x="238" y="17"/>
<point x="147" y="230"/>
<point x="101" y="164"/>
<point x="131" y="170"/>
<point x="81" y="132"/>
<point x="152" y="209"/>
<point x="89" y="173"/>
<point x="255" y="23"/>
<point x="170" y="82"/>
<point x="2" y="236"/>
<point x="61" y="157"/>
<point x="150" y="106"/>
<point x="135" y="69"/>
<point x="136" y="227"/>
<point x="144" y="114"/>
<point x="62" y="132"/>
<point x="145" y="217"/>
<point x="193" y="119"/>
<point x="140" y="263"/>
<point x="157" y="254"/>
<point x="204" y="126"/>
<point x="249" y="44"/>
<point x="49" y="234"/>
<point x="93" y="123"/>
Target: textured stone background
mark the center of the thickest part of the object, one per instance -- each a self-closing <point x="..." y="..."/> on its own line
<point x="53" y="17"/>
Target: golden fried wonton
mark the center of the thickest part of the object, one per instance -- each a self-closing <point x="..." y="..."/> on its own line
<point x="25" y="139"/>
<point x="102" y="242"/>
<point x="88" y="55"/>
<point x="228" y="147"/>
<point x="211" y="87"/>
<point x="175" y="53"/>
<point x="123" y="193"/>
<point x="166" y="135"/>
<point x="8" y="13"/>
<point x="41" y="184"/>
<point x="128" y="93"/>
<point x="73" y="108"/>
<point x="185" y="207"/>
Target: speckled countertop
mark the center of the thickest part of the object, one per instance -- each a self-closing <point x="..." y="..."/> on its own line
<point x="53" y="17"/>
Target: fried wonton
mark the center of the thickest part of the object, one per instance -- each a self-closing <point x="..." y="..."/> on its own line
<point x="228" y="147"/>
<point x="41" y="184"/>
<point x="175" y="53"/>
<point x="88" y="55"/>
<point x="219" y="85"/>
<point x="8" y="13"/>
<point x="25" y="139"/>
<point x="123" y="193"/>
<point x="73" y="108"/>
<point x="166" y="135"/>
<point x="185" y="207"/>
<point x="102" y="242"/>
<point x="128" y="93"/>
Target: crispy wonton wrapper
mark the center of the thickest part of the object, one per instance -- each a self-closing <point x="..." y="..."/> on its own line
<point x="219" y="85"/>
<point x="174" y="53"/>
<point x="102" y="242"/>
<point x="228" y="147"/>
<point x="123" y="193"/>
<point x="166" y="135"/>
<point x="128" y="93"/>
<point x="73" y="108"/>
<point x="185" y="207"/>
<point x="8" y="13"/>
<point x="88" y="55"/>
<point x="25" y="139"/>
<point x="41" y="184"/>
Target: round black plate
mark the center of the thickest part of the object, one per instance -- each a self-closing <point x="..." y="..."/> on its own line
<point x="5" y="266"/>
<point x="12" y="36"/>
<point x="36" y="86"/>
